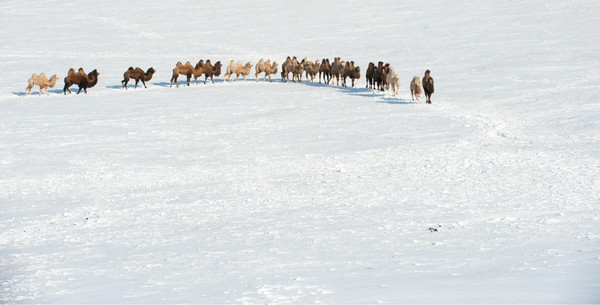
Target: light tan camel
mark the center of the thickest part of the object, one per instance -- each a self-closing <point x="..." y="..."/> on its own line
<point x="41" y="81"/>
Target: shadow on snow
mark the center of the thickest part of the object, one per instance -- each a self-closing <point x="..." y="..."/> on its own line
<point x="363" y="92"/>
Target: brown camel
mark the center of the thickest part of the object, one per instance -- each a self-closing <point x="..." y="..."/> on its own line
<point x="137" y="74"/>
<point x="428" y="86"/>
<point x="325" y="69"/>
<point x="84" y="81"/>
<point x="181" y="69"/>
<point x="211" y="71"/>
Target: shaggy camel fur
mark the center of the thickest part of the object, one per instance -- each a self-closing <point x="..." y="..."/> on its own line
<point x="350" y="71"/>
<point x="211" y="71"/>
<point x="428" y="86"/>
<point x="239" y="69"/>
<point x="266" y="67"/>
<point x="381" y="76"/>
<point x="137" y="74"/>
<point x="82" y="80"/>
<point x="311" y="69"/>
<point x="370" y="75"/>
<point x="181" y="69"/>
<point x="325" y="69"/>
<point x="198" y="70"/>
<point x="297" y="72"/>
<point x="289" y="66"/>
<point x="416" y="88"/>
<point x="393" y="80"/>
<point x="41" y="81"/>
<point x="286" y="68"/>
<point x="337" y="68"/>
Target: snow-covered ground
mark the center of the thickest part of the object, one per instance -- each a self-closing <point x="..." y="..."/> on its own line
<point x="305" y="193"/>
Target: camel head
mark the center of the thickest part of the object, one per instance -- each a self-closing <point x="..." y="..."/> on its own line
<point x="52" y="81"/>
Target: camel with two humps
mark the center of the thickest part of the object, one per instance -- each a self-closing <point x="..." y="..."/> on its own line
<point x="337" y="70"/>
<point x="239" y="69"/>
<point x="311" y="69"/>
<point x="265" y="67"/>
<point x="289" y="66"/>
<point x="42" y="81"/>
<point x="350" y="71"/>
<point x="182" y="69"/>
<point x="81" y="79"/>
<point x="138" y="75"/>
<point x="211" y="70"/>
<point x="325" y="70"/>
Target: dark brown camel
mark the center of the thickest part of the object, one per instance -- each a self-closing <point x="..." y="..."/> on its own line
<point x="81" y="79"/>
<point x="137" y="74"/>
<point x="211" y="71"/>
<point x="428" y="86"/>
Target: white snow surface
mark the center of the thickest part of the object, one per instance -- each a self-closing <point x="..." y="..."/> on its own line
<point x="278" y="192"/>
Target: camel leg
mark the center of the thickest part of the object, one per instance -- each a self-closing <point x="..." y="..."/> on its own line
<point x="29" y="87"/>
<point x="136" y="83"/>
<point x="144" y="83"/>
<point x="174" y="78"/>
<point x="188" y="79"/>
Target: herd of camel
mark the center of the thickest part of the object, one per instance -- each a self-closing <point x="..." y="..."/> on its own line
<point x="378" y="77"/>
